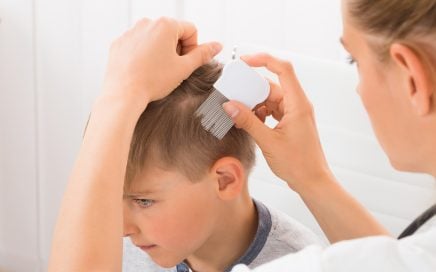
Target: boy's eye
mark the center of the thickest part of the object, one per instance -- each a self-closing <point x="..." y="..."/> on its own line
<point x="144" y="203"/>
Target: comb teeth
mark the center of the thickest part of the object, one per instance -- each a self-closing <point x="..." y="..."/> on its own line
<point x="213" y="117"/>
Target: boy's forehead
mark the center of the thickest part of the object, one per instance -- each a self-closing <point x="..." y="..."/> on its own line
<point x="152" y="180"/>
<point x="147" y="183"/>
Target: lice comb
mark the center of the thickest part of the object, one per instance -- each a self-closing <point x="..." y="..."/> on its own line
<point x="238" y="82"/>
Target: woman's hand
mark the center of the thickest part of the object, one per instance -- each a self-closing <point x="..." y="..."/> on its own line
<point x="292" y="149"/>
<point x="145" y="64"/>
<point x="151" y="59"/>
<point x="293" y="152"/>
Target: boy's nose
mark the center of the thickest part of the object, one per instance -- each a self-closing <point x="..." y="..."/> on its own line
<point x="129" y="230"/>
<point x="129" y="226"/>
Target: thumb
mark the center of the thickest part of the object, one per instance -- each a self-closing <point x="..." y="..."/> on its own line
<point x="202" y="54"/>
<point x="244" y="118"/>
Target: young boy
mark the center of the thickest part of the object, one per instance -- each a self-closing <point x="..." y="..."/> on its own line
<point x="186" y="201"/>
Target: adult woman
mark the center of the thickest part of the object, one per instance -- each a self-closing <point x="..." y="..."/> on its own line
<point x="396" y="62"/>
<point x="393" y="43"/>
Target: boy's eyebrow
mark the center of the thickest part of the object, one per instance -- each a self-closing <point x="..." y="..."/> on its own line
<point x="138" y="193"/>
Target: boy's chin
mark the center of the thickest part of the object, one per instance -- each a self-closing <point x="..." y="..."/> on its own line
<point x="166" y="262"/>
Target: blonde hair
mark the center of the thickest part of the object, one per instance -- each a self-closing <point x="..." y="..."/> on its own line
<point x="169" y="135"/>
<point x="411" y="22"/>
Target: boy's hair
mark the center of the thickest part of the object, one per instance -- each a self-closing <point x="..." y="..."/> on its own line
<point x="169" y="135"/>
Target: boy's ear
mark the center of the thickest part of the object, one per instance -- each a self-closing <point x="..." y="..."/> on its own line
<point x="229" y="176"/>
<point x="422" y="86"/>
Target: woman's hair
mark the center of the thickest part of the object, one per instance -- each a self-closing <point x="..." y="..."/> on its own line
<point x="411" y="22"/>
<point x="169" y="135"/>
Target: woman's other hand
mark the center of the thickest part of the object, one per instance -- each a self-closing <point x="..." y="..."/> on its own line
<point x="152" y="58"/>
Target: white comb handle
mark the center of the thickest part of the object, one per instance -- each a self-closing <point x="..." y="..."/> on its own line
<point x="242" y="83"/>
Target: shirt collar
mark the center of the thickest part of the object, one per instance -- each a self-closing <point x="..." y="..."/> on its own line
<point x="256" y="246"/>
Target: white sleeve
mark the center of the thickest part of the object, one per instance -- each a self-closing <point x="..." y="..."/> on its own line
<point x="379" y="253"/>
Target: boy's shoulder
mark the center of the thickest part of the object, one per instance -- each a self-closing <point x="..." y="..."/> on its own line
<point x="286" y="235"/>
<point x="286" y="229"/>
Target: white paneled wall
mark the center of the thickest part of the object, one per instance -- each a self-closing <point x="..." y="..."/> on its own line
<point x="19" y="200"/>
<point x="52" y="59"/>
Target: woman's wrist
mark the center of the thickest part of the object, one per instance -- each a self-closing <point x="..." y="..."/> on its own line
<point x="340" y="216"/>
<point x="315" y="186"/>
<point x="132" y="106"/>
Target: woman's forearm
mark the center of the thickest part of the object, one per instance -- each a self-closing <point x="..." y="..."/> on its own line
<point x="340" y="216"/>
<point x="88" y="234"/>
<point x="144" y="65"/>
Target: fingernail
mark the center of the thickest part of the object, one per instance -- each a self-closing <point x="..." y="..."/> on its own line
<point x="216" y="48"/>
<point x="230" y="109"/>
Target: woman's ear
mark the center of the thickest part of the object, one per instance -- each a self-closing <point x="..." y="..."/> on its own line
<point x="229" y="176"/>
<point x="421" y="83"/>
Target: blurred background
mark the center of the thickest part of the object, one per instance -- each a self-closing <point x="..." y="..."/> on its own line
<point x="52" y="59"/>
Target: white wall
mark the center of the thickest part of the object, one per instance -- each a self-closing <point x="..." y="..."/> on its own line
<point x="52" y="58"/>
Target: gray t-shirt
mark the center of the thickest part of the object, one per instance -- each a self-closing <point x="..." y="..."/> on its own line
<point x="277" y="235"/>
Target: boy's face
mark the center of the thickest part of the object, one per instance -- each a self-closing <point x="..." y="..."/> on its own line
<point x="169" y="216"/>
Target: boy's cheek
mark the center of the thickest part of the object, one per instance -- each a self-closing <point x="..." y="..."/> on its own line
<point x="183" y="227"/>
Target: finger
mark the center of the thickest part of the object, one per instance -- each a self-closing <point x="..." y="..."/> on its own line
<point x="141" y="23"/>
<point x="274" y="102"/>
<point x="200" y="55"/>
<point x="262" y="113"/>
<point x="275" y="93"/>
<point x="244" y="118"/>
<point x="290" y="85"/>
<point x="279" y="67"/>
<point x="179" y="49"/>
<point x="185" y="32"/>
<point x="187" y="36"/>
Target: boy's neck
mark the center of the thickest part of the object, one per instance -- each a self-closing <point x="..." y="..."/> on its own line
<point x="230" y="240"/>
